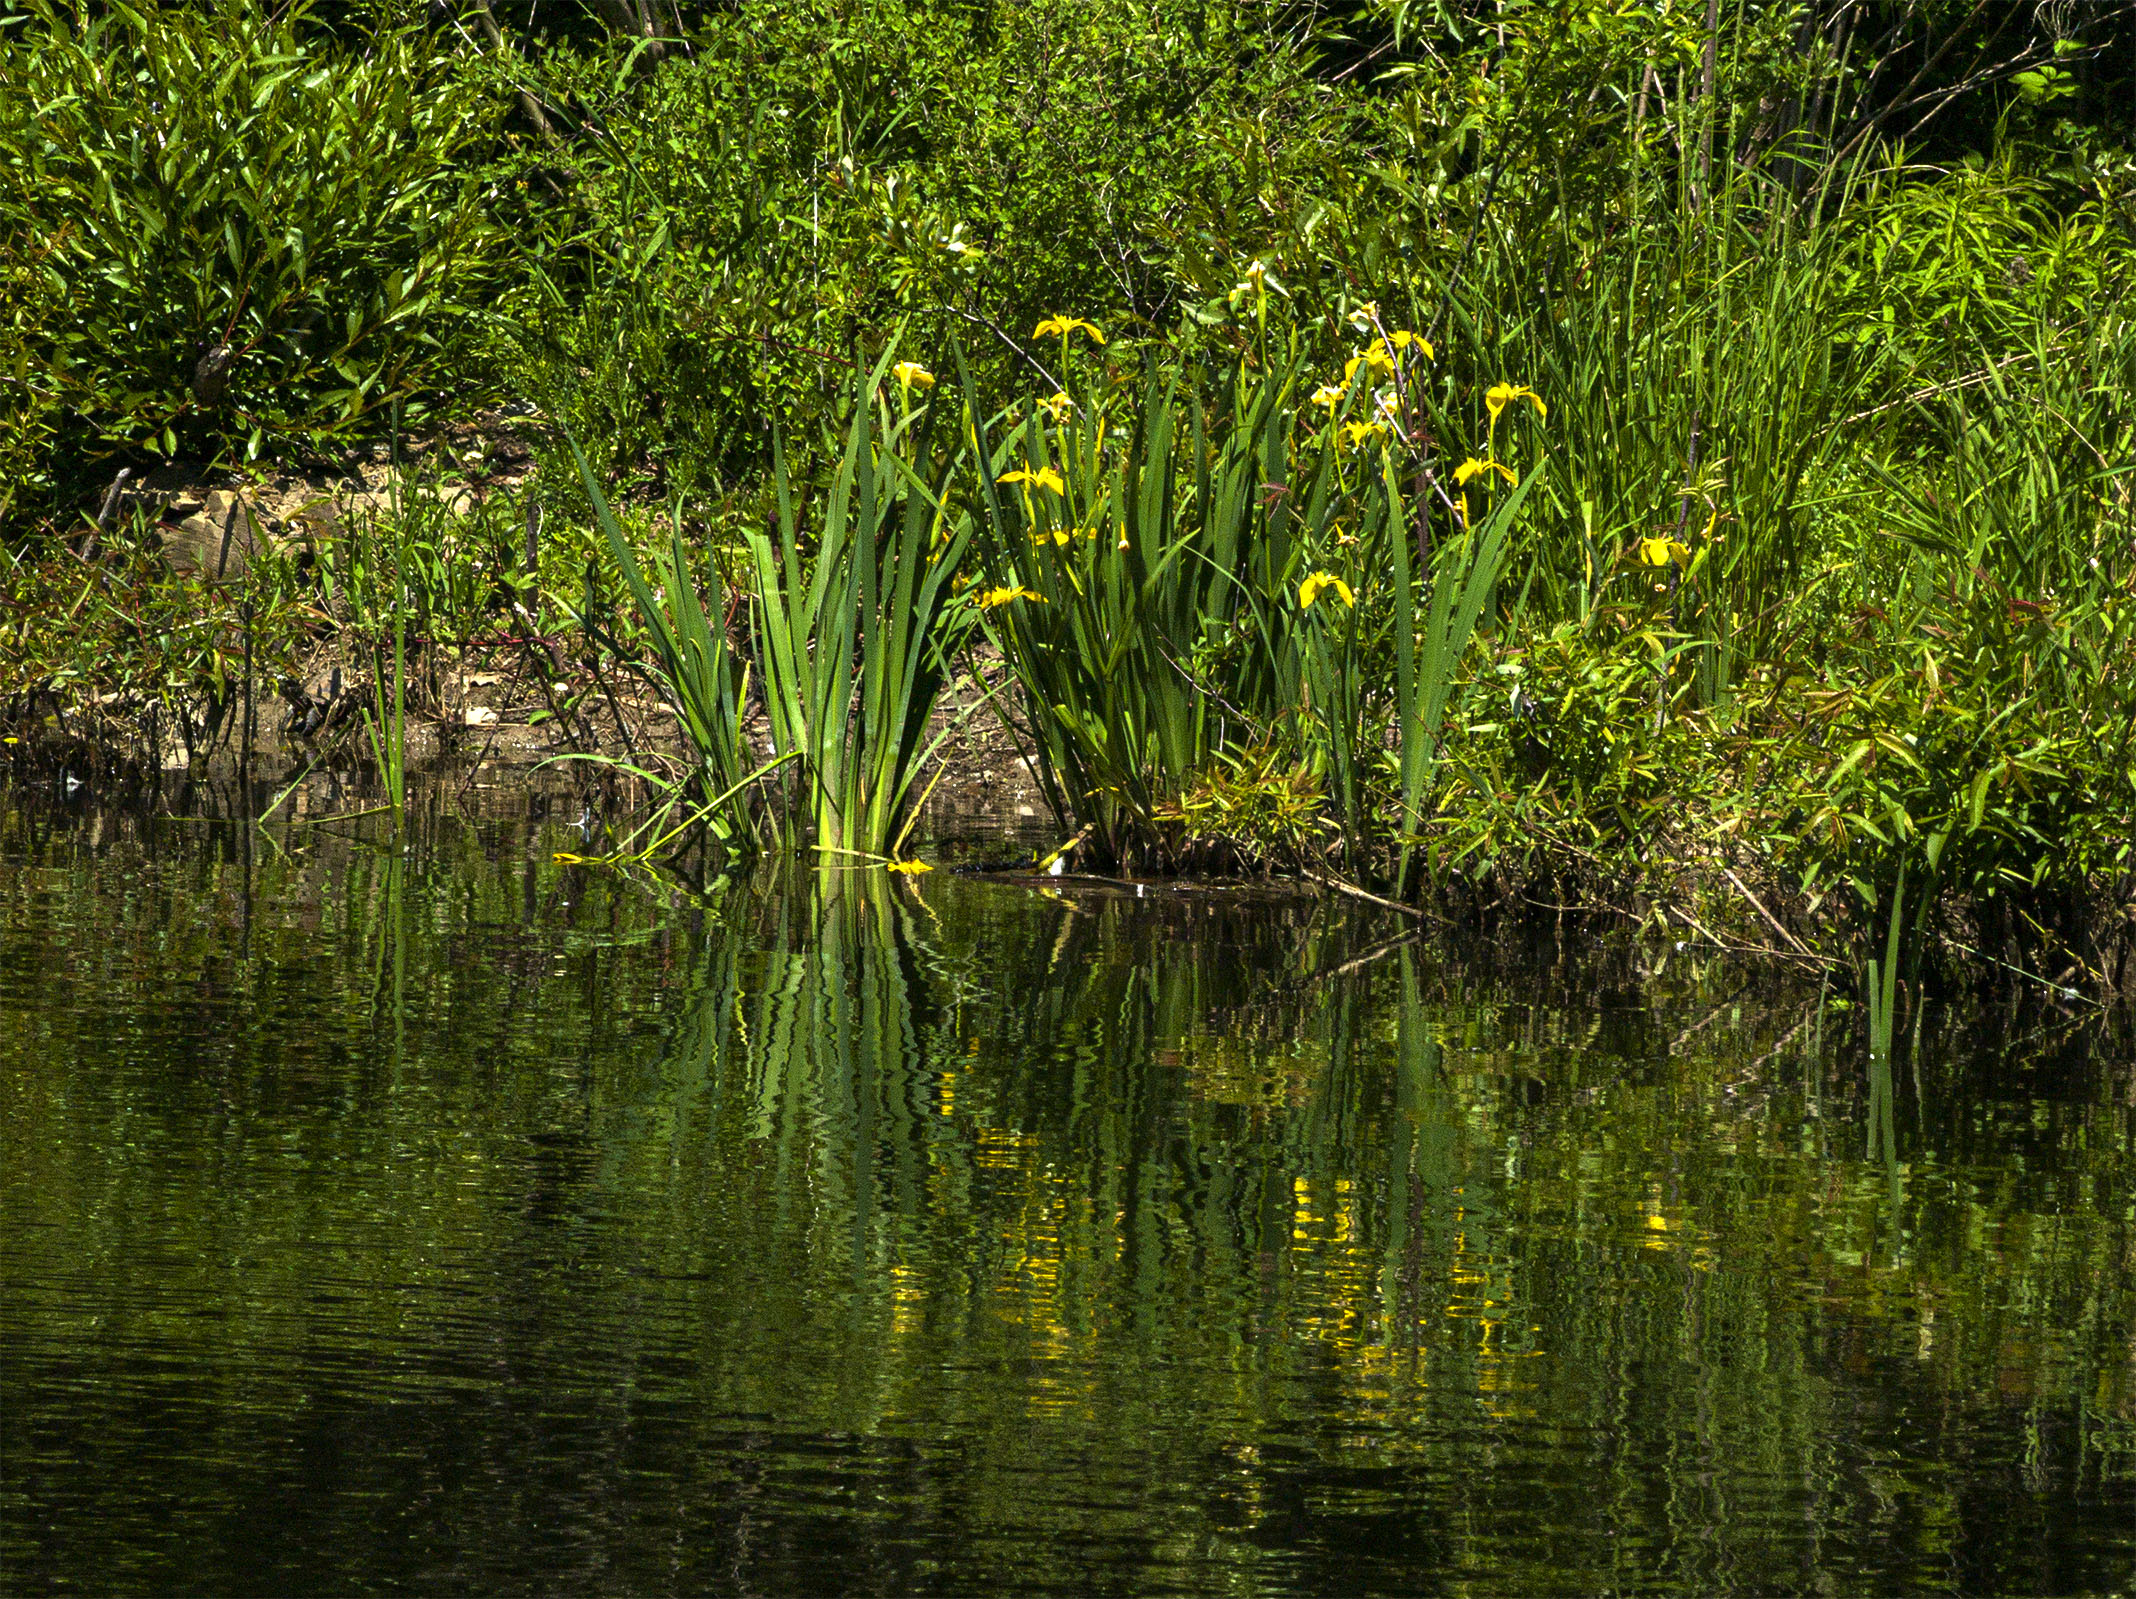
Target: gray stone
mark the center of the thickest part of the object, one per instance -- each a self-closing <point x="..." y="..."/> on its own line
<point x="218" y="537"/>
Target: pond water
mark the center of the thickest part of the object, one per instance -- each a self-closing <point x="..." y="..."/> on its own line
<point x="422" y="1212"/>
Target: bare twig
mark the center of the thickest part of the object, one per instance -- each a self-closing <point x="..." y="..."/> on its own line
<point x="1021" y="353"/>
<point x="1767" y="950"/>
<point x="111" y="500"/>
<point x="537" y="113"/>
<point x="1970" y="380"/>
<point x="1759" y="906"/>
<point x="1342" y="886"/>
<point x="1375" y="953"/>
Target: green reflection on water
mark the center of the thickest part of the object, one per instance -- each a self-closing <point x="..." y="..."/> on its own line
<point x="385" y="1213"/>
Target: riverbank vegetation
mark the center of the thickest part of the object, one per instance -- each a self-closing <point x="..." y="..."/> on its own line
<point x="1670" y="459"/>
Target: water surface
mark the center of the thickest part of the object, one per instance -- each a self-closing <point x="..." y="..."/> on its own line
<point x="421" y="1212"/>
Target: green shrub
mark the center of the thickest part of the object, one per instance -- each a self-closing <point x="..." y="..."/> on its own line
<point x="29" y="409"/>
<point x="811" y="178"/>
<point x="261" y="237"/>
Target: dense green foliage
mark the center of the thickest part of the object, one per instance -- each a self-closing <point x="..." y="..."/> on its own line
<point x="247" y="236"/>
<point x="1530" y="442"/>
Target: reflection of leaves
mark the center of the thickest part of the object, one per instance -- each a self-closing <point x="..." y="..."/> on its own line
<point x="1462" y="1188"/>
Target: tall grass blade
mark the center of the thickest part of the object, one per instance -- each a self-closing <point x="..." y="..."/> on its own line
<point x="694" y="669"/>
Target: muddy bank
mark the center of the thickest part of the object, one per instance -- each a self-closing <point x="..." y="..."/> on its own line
<point x="500" y="728"/>
<point x="484" y="723"/>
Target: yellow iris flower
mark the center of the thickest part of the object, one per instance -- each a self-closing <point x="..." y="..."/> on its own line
<point x="1311" y="589"/>
<point x="912" y="375"/>
<point x="1379" y="357"/>
<point x="1358" y="432"/>
<point x="1660" y="552"/>
<point x="1375" y="359"/>
<point x="1057" y="404"/>
<point x="1329" y="395"/>
<point x="1471" y="469"/>
<point x="1062" y="326"/>
<point x="1002" y="596"/>
<point x="1500" y="395"/>
<point x="1044" y="477"/>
